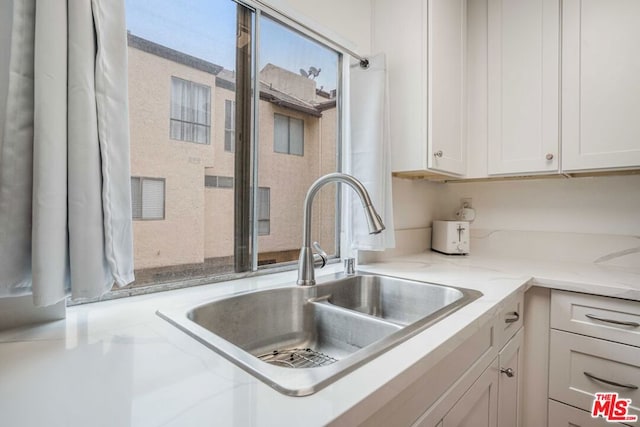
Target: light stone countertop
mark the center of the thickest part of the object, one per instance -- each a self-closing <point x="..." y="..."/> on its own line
<point x="116" y="363"/>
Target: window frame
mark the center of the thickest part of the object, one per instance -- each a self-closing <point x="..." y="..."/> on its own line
<point x="291" y="20"/>
<point x="191" y="84"/>
<point x="141" y="180"/>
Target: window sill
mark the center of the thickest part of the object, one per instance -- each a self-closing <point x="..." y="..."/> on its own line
<point x="170" y="286"/>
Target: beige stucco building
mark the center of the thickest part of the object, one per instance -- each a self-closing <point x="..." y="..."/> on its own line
<point x="190" y="226"/>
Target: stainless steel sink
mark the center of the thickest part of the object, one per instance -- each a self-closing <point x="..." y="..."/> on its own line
<point x="325" y="331"/>
<point x="399" y="301"/>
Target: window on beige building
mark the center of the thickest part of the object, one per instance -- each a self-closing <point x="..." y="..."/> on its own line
<point x="264" y="211"/>
<point x="147" y="198"/>
<point x="190" y="111"/>
<point x="213" y="181"/>
<point x="288" y="135"/>
<point x="229" y="125"/>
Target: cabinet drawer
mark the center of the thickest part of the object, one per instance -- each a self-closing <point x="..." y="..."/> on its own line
<point x="601" y="317"/>
<point x="574" y="358"/>
<point x="510" y="319"/>
<point x="561" y="415"/>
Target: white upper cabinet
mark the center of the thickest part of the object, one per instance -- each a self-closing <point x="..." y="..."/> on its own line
<point x="523" y="86"/>
<point x="424" y="41"/>
<point x="600" y="84"/>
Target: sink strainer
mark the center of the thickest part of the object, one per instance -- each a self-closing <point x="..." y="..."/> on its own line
<point x="297" y="358"/>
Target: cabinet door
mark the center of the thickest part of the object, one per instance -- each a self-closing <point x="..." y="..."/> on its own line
<point x="478" y="407"/>
<point x="510" y="361"/>
<point x="425" y="42"/>
<point x="523" y="86"/>
<point x="600" y="84"/>
<point x="447" y="23"/>
<point x="401" y="33"/>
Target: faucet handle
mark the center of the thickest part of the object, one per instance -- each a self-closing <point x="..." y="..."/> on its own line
<point x="321" y="253"/>
<point x="349" y="266"/>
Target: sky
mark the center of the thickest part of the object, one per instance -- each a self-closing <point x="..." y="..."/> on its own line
<point x="206" y="29"/>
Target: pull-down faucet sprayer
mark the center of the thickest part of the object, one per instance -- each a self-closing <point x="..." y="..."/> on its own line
<point x="306" y="274"/>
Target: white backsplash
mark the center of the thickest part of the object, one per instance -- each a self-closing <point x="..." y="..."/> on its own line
<point x="604" y="249"/>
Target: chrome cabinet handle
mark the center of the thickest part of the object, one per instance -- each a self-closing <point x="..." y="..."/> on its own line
<point x="615" y="322"/>
<point x="508" y="372"/>
<point x="513" y="319"/>
<point x="613" y="383"/>
<point x="438" y="153"/>
<point x="549" y="156"/>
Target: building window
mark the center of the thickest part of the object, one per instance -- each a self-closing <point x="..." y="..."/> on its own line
<point x="147" y="198"/>
<point x="212" y="181"/>
<point x="190" y="111"/>
<point x="288" y="135"/>
<point x="264" y="211"/>
<point x="229" y="125"/>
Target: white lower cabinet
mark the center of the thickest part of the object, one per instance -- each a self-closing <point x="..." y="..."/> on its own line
<point x="479" y="405"/>
<point x="583" y="366"/>
<point x="476" y="383"/>
<point x="561" y="415"/>
<point x="510" y="384"/>
<point x="494" y="398"/>
<point x="593" y="346"/>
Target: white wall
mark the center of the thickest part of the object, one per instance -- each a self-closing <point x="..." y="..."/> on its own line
<point x="598" y="205"/>
<point x="346" y="22"/>
<point x="415" y="203"/>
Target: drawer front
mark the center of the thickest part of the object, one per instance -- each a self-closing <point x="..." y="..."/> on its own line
<point x="561" y="415"/>
<point x="510" y="319"/>
<point x="601" y="317"/>
<point x="581" y="366"/>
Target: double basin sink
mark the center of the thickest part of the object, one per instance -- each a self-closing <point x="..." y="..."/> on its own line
<point x="299" y="339"/>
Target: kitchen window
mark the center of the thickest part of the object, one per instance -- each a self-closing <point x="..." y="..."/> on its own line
<point x="147" y="198"/>
<point x="232" y="74"/>
<point x="288" y="135"/>
<point x="190" y="111"/>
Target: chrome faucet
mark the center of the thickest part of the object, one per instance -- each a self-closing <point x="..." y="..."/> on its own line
<point x="306" y="273"/>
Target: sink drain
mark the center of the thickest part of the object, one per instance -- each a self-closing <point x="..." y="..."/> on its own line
<point x="297" y="358"/>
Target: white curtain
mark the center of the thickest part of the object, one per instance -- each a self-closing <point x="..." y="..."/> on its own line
<point x="65" y="195"/>
<point x="370" y="152"/>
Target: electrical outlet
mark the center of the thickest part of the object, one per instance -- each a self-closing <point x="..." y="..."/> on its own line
<point x="465" y="202"/>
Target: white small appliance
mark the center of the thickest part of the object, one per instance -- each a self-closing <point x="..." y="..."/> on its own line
<point x="450" y="237"/>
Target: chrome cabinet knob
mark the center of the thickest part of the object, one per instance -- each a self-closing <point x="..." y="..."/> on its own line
<point x="549" y="156"/>
<point x="508" y="372"/>
<point x="438" y="153"/>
